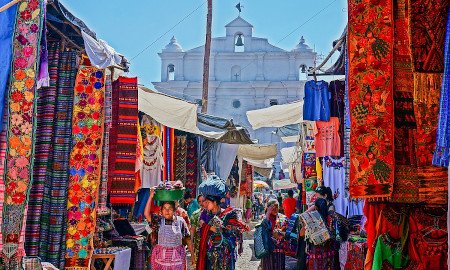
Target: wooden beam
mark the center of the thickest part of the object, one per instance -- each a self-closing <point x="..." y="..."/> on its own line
<point x="8" y="5"/>
<point x="64" y="36"/>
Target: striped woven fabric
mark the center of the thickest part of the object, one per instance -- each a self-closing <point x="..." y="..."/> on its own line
<point x="46" y="99"/>
<point x="180" y="157"/>
<point x="53" y="222"/>
<point x="103" y="189"/>
<point x="124" y="126"/>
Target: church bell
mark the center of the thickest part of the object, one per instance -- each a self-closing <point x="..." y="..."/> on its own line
<point x="239" y="42"/>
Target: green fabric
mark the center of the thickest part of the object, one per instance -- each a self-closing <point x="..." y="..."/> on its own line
<point x="390" y="252"/>
<point x="248" y="204"/>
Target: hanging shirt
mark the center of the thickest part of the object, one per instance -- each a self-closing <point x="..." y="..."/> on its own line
<point x="334" y="177"/>
<point x="316" y="105"/>
<point x="327" y="139"/>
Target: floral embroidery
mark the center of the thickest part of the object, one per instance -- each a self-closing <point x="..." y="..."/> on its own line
<point x="85" y="165"/>
<point x="19" y="132"/>
<point x="371" y="101"/>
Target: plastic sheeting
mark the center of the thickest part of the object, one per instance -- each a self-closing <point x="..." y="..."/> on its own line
<point x="277" y="115"/>
<point x="100" y="53"/>
<point x="290" y="154"/>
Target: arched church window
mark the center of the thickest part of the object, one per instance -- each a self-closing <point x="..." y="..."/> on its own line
<point x="302" y="73"/>
<point x="236" y="74"/>
<point x="170" y="72"/>
<point x="239" y="43"/>
<point x="273" y="102"/>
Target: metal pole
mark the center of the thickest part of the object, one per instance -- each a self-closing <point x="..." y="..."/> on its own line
<point x="206" y="58"/>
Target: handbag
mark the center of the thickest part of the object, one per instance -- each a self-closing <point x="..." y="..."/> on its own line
<point x="263" y="245"/>
<point x="315" y="228"/>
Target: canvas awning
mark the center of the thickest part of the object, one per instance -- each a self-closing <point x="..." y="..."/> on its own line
<point x="257" y="151"/>
<point x="182" y="115"/>
<point x="290" y="154"/>
<point x="283" y="184"/>
<point x="277" y="115"/>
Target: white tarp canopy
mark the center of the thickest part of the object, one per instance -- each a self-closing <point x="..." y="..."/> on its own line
<point x="290" y="154"/>
<point x="263" y="164"/>
<point x="257" y="151"/>
<point x="277" y="115"/>
<point x="290" y="139"/>
<point x="283" y="184"/>
<point x="172" y="112"/>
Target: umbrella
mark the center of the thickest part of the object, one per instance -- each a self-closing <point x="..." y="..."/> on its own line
<point x="283" y="184"/>
<point x="260" y="184"/>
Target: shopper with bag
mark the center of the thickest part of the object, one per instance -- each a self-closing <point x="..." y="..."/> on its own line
<point x="272" y="236"/>
<point x="319" y="228"/>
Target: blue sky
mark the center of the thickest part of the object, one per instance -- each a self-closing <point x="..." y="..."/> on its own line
<point x="131" y="25"/>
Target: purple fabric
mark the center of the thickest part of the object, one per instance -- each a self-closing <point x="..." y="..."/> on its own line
<point x="43" y="76"/>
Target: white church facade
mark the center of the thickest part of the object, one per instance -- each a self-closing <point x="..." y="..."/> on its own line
<point x="246" y="73"/>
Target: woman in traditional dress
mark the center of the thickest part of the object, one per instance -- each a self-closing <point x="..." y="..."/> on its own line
<point x="169" y="232"/>
<point x="274" y="224"/>
<point x="221" y="233"/>
<point x="324" y="256"/>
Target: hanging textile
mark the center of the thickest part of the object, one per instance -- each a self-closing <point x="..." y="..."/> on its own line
<point x="192" y="165"/>
<point x="153" y="153"/>
<point x="442" y="152"/>
<point x="428" y="238"/>
<point x="21" y="125"/>
<point x="7" y="20"/>
<point x="327" y="139"/>
<point x="337" y="109"/>
<point x="427" y="27"/>
<point x="54" y="210"/>
<point x="2" y="168"/>
<point x="46" y="102"/>
<point x="406" y="183"/>
<point x="85" y="165"/>
<point x="180" y="159"/>
<point x="123" y="164"/>
<point x="103" y="189"/>
<point x="333" y="177"/>
<point x="43" y="78"/>
<point x="169" y="148"/>
<point x="370" y="94"/>
<point x="317" y="101"/>
<point x="433" y="185"/>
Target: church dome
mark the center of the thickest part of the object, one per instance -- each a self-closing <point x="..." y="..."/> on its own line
<point x="173" y="46"/>
<point x="302" y="46"/>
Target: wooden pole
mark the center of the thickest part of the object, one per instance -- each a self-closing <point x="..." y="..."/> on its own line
<point x="206" y="58"/>
<point x="8" y="5"/>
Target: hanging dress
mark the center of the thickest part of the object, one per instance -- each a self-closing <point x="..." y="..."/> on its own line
<point x="317" y="101"/>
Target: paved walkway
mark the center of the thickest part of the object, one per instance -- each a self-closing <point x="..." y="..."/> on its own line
<point x="247" y="260"/>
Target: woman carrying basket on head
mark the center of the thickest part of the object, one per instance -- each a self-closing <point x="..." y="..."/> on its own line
<point x="170" y="234"/>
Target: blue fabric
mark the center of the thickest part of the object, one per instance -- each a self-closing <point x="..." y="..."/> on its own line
<point x="192" y="207"/>
<point x="7" y="21"/>
<point x="442" y="151"/>
<point x="216" y="188"/>
<point x="139" y="206"/>
<point x="316" y="105"/>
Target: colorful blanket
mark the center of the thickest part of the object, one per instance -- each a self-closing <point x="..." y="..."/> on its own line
<point x="43" y="148"/>
<point x="433" y="180"/>
<point x="427" y="26"/>
<point x="85" y="165"/>
<point x="370" y="49"/>
<point x="21" y="125"/>
<point x="122" y="171"/>
<point x="191" y="165"/>
<point x="103" y="189"/>
<point x="406" y="183"/>
<point x="54" y="225"/>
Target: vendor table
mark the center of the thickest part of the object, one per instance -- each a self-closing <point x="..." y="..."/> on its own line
<point x="121" y="260"/>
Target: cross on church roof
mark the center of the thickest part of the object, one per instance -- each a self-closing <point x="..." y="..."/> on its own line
<point x="239" y="8"/>
<point x="236" y="76"/>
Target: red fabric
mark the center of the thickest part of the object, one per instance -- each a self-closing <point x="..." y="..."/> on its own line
<point x="370" y="48"/>
<point x="289" y="205"/>
<point x="372" y="213"/>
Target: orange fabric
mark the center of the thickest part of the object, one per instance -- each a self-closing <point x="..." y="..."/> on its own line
<point x="327" y="139"/>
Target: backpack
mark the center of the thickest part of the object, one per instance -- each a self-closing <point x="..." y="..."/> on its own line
<point x="263" y="244"/>
<point x="316" y="230"/>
